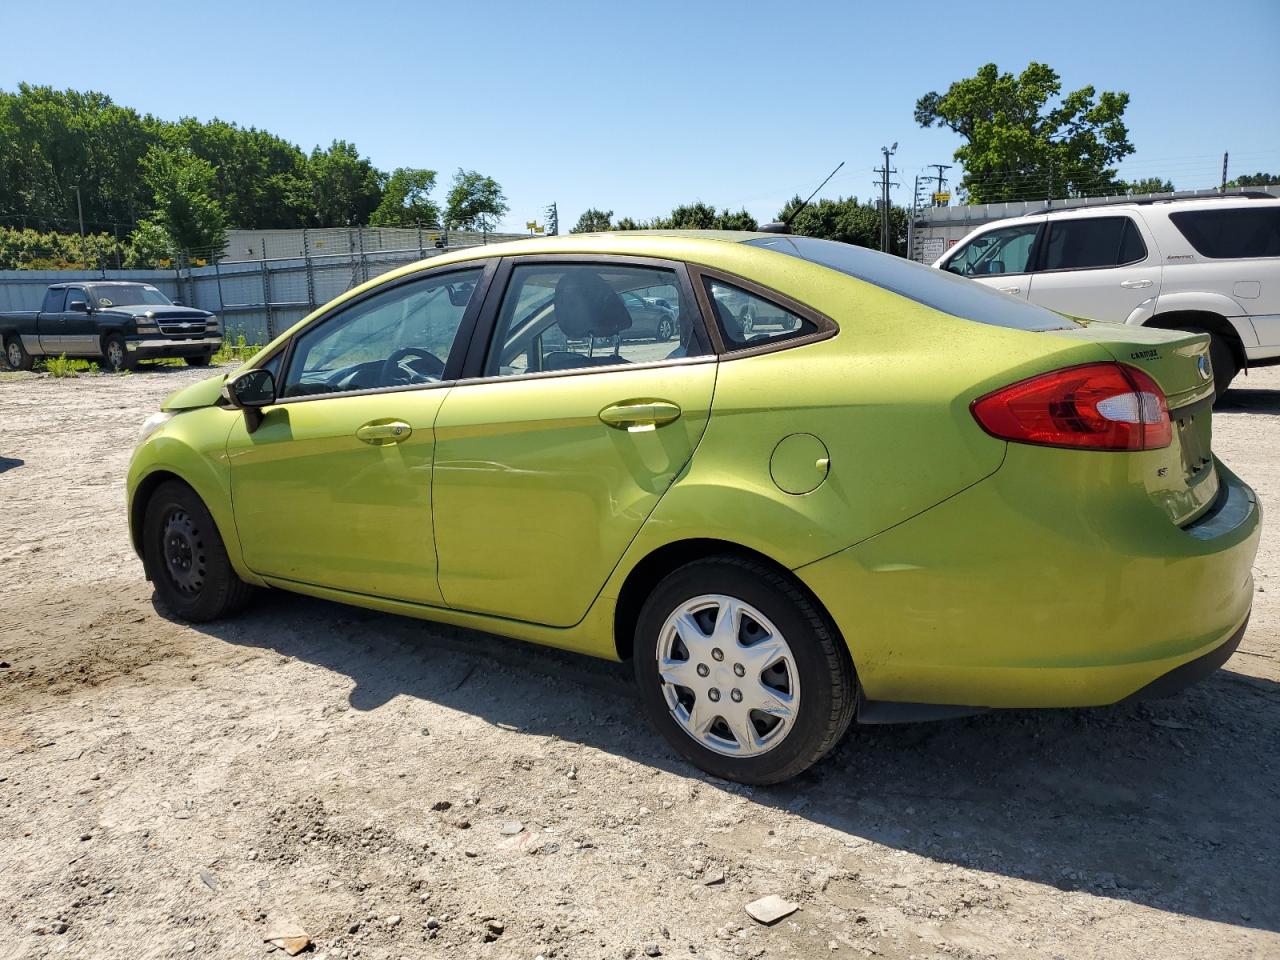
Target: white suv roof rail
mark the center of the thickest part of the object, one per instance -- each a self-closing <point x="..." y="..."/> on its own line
<point x="1146" y="201"/>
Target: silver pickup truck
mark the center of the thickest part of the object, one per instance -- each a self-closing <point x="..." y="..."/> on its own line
<point x="117" y="322"/>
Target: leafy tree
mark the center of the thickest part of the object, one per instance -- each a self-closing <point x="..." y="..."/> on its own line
<point x="344" y="187"/>
<point x="406" y="199"/>
<point x="148" y="245"/>
<point x="1256" y="180"/>
<point x="594" y="221"/>
<point x="627" y="223"/>
<point x="185" y="208"/>
<point x="1024" y="140"/>
<point x="1145" y="185"/>
<point x="848" y="221"/>
<point x="701" y="216"/>
<point x="475" y="201"/>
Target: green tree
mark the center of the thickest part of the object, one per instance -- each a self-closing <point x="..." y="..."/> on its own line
<point x="702" y="216"/>
<point x="627" y="223"/>
<point x="476" y="202"/>
<point x="1024" y="140"/>
<point x="148" y="244"/>
<point x="406" y="200"/>
<point x="1145" y="185"/>
<point x="1255" y="180"/>
<point x="847" y="221"/>
<point x="185" y="208"/>
<point x="342" y="187"/>
<point x="594" y="221"/>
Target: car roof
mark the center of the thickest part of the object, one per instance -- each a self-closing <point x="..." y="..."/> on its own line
<point x="1171" y="204"/>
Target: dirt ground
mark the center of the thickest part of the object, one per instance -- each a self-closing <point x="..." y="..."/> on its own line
<point x="399" y="789"/>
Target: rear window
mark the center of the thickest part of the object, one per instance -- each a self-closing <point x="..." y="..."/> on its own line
<point x="934" y="288"/>
<point x="1232" y="233"/>
<point x="1090" y="242"/>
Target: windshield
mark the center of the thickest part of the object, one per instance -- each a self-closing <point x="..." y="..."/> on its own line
<point x="128" y="295"/>
<point x="934" y="288"/>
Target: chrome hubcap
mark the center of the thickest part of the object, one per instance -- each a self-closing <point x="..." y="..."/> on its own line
<point x="728" y="676"/>
<point x="184" y="555"/>
<point x="15" y="355"/>
<point x="114" y="354"/>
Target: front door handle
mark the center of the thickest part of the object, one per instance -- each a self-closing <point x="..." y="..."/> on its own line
<point x="381" y="433"/>
<point x="638" y="415"/>
<point x="1010" y="289"/>
<point x="1135" y="284"/>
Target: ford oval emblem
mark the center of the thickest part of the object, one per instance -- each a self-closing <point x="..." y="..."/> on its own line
<point x="1202" y="363"/>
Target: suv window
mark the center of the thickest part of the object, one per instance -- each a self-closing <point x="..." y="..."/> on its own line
<point x="746" y="320"/>
<point x="75" y="295"/>
<point x="1007" y="250"/>
<point x="397" y="338"/>
<point x="53" y="300"/>
<point x="1088" y="242"/>
<point x="563" y="316"/>
<point x="1239" y="232"/>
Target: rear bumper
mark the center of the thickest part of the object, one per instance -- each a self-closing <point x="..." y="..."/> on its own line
<point x="152" y="349"/>
<point x="1017" y="595"/>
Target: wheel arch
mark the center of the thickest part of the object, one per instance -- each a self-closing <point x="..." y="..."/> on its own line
<point x="649" y="571"/>
<point x="1214" y="323"/>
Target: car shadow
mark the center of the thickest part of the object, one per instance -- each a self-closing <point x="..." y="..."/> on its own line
<point x="1168" y="804"/>
<point x="1249" y="400"/>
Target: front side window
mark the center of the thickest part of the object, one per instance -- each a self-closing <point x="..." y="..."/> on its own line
<point x="75" y="295"/>
<point x="1091" y="242"/>
<point x="401" y="337"/>
<point x="746" y="320"/>
<point x="1007" y="250"/>
<point x="566" y="316"/>
<point x="1233" y="233"/>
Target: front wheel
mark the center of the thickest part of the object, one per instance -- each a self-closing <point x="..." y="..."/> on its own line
<point x="665" y="329"/>
<point x="114" y="353"/>
<point x="198" y="361"/>
<point x="741" y="672"/>
<point x="16" y="356"/>
<point x="185" y="558"/>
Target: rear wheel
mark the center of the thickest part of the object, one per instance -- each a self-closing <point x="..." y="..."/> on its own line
<point x="114" y="353"/>
<point x="665" y="329"/>
<point x="16" y="356"/>
<point x="185" y="558"/>
<point x="740" y="672"/>
<point x="1224" y="363"/>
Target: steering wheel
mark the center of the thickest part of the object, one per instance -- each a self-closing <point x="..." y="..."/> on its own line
<point x="395" y="366"/>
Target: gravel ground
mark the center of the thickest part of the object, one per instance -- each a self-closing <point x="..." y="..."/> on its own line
<point x="398" y="789"/>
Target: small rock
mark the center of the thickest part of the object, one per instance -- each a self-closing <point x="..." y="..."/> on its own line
<point x="493" y="929"/>
<point x="512" y="827"/>
<point x="714" y="879"/>
<point x="463" y="824"/>
<point x="190" y="947"/>
<point x="86" y="836"/>
<point x="59" y="926"/>
<point x="652" y="950"/>
<point x="289" y="937"/>
<point x="426" y="732"/>
<point x="432" y="923"/>
<point x="207" y="879"/>
<point x="769" y="910"/>
<point x="392" y="920"/>
<point x="441" y="805"/>
<point x="471" y="853"/>
<point x="573" y="773"/>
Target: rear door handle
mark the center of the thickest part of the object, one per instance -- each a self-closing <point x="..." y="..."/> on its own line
<point x="382" y="433"/>
<point x="638" y="415"/>
<point x="1135" y="284"/>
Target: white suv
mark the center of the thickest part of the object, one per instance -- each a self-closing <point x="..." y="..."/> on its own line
<point x="1211" y="265"/>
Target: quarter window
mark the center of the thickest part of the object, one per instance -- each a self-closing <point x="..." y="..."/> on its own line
<point x="398" y="338"/>
<point x="1090" y="242"/>
<point x="562" y="316"/>
<point x="1224" y="234"/>
<point x="1007" y="250"/>
<point x="746" y="320"/>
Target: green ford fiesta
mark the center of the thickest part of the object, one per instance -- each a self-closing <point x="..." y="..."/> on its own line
<point x="796" y="483"/>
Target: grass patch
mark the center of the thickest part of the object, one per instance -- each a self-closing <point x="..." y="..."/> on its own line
<point x="60" y="366"/>
<point x="236" y="350"/>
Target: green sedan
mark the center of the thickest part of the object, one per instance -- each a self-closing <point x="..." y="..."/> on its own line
<point x="903" y="497"/>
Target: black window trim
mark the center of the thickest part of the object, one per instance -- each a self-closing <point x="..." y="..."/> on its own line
<point x="473" y="366"/>
<point x="454" y="361"/>
<point x="1040" y="246"/>
<point x="827" y="328"/>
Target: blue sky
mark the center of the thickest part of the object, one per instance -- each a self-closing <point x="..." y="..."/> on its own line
<point x="641" y="106"/>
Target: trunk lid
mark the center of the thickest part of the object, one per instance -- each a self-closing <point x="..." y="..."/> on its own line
<point x="1181" y="477"/>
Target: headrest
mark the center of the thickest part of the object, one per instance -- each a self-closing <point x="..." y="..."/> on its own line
<point x="587" y="306"/>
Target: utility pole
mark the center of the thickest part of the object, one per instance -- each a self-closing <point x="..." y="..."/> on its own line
<point x="942" y="181"/>
<point x="80" y="210"/>
<point x="884" y="183"/>
<point x="1223" y="190"/>
<point x="553" y="220"/>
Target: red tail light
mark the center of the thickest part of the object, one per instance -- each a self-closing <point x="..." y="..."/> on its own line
<point x="1097" y="406"/>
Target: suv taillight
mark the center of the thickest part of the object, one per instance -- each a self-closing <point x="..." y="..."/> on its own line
<point x="1096" y="406"/>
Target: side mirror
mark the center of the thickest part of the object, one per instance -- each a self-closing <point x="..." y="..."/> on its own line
<point x="78" y="306"/>
<point x="250" y="391"/>
<point x="177" y="302"/>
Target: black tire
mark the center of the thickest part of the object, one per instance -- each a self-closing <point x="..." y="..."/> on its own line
<point x="185" y="558"/>
<point x="1224" y="363"/>
<point x="665" y="329"/>
<point x="827" y="682"/>
<point x="198" y="361"/>
<point x="16" y="356"/>
<point x="115" y="356"/>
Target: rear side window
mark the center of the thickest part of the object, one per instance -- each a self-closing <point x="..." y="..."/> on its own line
<point x="1092" y="242"/>
<point x="934" y="288"/>
<point x="1228" y="234"/>
<point x="746" y="320"/>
